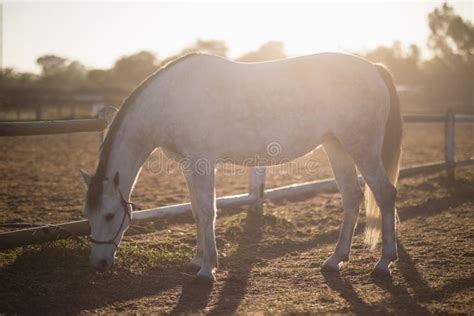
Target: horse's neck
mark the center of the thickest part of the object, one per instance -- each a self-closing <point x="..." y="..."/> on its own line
<point x="129" y="151"/>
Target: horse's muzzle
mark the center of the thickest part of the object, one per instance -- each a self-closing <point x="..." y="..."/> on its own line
<point x="101" y="264"/>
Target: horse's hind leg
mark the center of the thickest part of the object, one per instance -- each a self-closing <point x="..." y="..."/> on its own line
<point x="372" y="169"/>
<point x="345" y="173"/>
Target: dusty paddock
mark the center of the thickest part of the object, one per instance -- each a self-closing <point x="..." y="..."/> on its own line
<point x="268" y="263"/>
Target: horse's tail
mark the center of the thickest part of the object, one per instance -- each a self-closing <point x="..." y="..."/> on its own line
<point x="391" y="156"/>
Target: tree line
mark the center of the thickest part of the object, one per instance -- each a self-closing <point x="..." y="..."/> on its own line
<point x="446" y="79"/>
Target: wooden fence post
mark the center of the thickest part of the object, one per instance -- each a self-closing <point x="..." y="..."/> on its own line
<point x="108" y="114"/>
<point x="449" y="144"/>
<point x="257" y="188"/>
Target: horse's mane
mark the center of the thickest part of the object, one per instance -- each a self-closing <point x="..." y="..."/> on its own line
<point x="94" y="192"/>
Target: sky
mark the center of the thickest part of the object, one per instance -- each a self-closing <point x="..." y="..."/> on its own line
<point x="96" y="33"/>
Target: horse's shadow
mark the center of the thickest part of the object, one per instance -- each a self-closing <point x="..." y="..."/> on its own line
<point x="59" y="283"/>
<point x="195" y="294"/>
<point x="235" y="285"/>
<point x="400" y="299"/>
<point x="194" y="297"/>
<point x="345" y="289"/>
<point x="53" y="279"/>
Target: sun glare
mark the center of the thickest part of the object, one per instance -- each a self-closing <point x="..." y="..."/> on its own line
<point x="261" y="142"/>
<point x="98" y="33"/>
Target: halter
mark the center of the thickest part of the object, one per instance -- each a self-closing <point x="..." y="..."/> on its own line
<point x="127" y="213"/>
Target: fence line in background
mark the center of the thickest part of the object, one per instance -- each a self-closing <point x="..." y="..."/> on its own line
<point x="24" y="128"/>
<point x="81" y="228"/>
<point x="254" y="198"/>
<point x="51" y="127"/>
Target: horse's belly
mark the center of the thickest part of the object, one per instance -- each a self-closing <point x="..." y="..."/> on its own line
<point x="271" y="153"/>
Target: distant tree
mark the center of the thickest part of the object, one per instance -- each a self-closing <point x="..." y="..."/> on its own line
<point x="75" y="73"/>
<point x="128" y="71"/>
<point x="98" y="78"/>
<point x="7" y="76"/>
<point x="403" y="63"/>
<point x="51" y="64"/>
<point x="60" y="72"/>
<point x="10" y="78"/>
<point x="214" y="47"/>
<point x="450" y="74"/>
<point x="450" y="34"/>
<point x="26" y="78"/>
<point x="268" y="51"/>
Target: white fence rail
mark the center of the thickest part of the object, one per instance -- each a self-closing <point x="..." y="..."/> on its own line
<point x="254" y="198"/>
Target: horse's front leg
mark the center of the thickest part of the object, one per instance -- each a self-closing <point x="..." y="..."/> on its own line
<point x="203" y="200"/>
<point x="197" y="259"/>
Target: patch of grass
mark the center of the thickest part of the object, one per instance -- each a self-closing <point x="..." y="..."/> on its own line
<point x="283" y="214"/>
<point x="57" y="275"/>
<point x="277" y="221"/>
<point x="138" y="258"/>
<point x="70" y="256"/>
<point x="235" y="219"/>
<point x="67" y="251"/>
<point x="233" y="225"/>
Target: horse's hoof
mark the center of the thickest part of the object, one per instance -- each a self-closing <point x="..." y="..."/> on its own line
<point x="191" y="266"/>
<point x="206" y="275"/>
<point x="329" y="268"/>
<point x="196" y="263"/>
<point x="381" y="273"/>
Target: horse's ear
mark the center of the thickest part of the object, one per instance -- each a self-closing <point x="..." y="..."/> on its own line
<point x="86" y="177"/>
<point x="116" y="179"/>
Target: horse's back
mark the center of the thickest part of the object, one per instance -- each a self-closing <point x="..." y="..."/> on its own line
<point x="231" y="109"/>
<point x="292" y="82"/>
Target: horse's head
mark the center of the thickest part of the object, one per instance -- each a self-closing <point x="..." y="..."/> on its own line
<point x="109" y="216"/>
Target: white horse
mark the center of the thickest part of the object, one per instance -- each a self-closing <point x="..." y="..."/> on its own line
<point x="203" y="108"/>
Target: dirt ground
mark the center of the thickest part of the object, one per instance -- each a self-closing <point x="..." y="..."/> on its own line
<point x="269" y="263"/>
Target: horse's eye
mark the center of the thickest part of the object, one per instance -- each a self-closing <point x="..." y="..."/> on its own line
<point x="109" y="217"/>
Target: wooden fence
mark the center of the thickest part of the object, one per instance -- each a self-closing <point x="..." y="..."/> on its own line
<point x="254" y="198"/>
